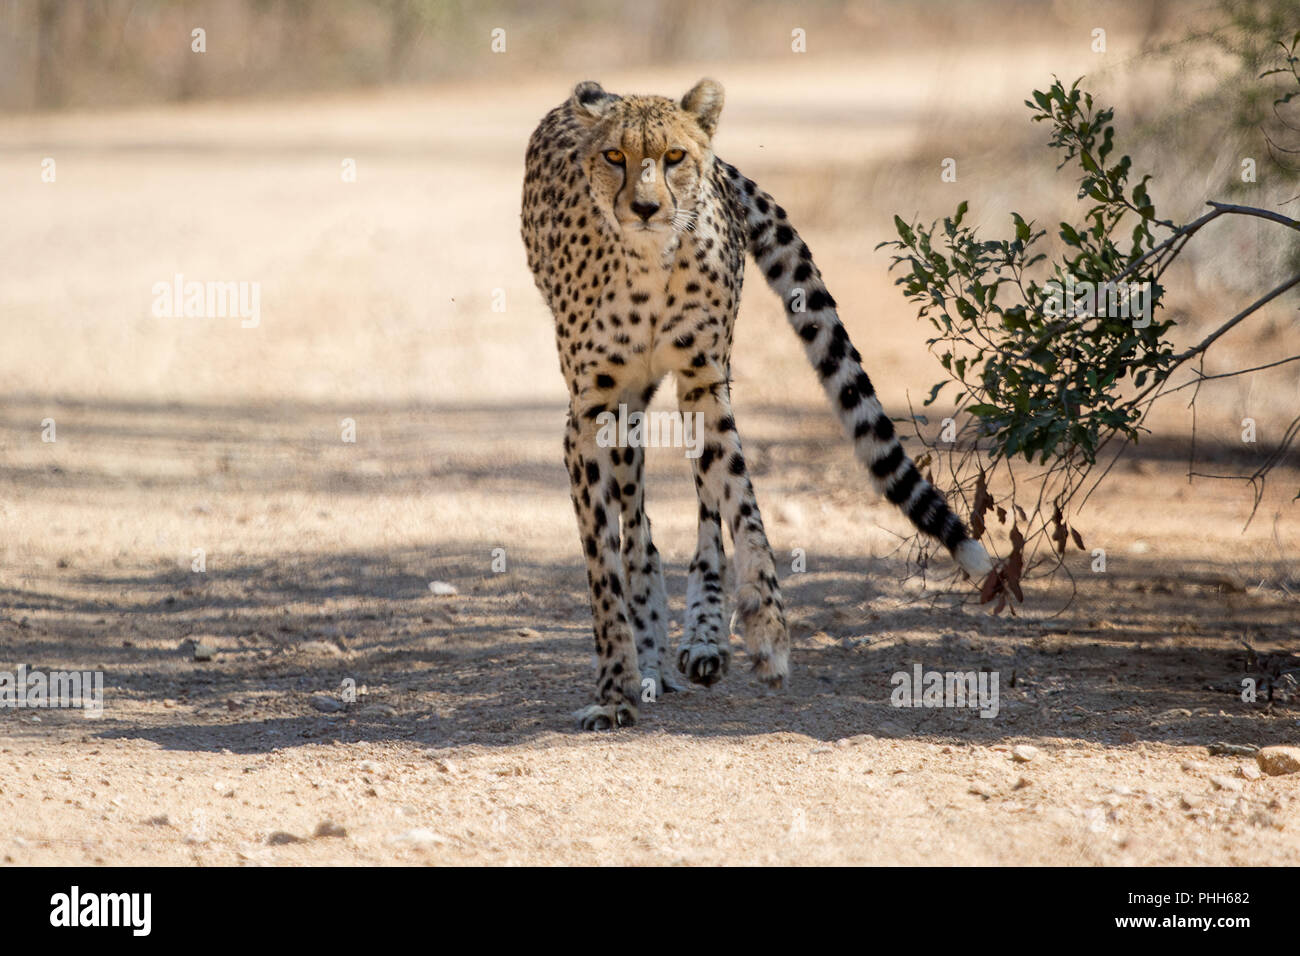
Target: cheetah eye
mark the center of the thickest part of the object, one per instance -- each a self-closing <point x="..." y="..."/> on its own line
<point x="674" y="156"/>
<point x="615" y="156"/>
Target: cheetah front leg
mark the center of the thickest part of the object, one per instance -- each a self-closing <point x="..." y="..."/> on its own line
<point x="596" y="499"/>
<point x="723" y="479"/>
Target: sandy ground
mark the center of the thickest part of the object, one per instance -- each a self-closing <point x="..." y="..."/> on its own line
<point x="183" y="434"/>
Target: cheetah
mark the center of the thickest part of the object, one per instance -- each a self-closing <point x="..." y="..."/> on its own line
<point x="636" y="236"/>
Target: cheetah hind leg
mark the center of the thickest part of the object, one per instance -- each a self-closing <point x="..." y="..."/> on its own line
<point x="647" y="598"/>
<point x="649" y="609"/>
<point x="704" y="653"/>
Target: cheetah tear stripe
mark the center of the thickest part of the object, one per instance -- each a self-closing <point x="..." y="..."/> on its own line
<point x="788" y="266"/>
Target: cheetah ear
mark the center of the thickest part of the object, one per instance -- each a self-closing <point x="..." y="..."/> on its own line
<point x="590" y="101"/>
<point x="704" y="102"/>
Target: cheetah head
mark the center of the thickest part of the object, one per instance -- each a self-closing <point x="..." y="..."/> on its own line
<point x="647" y="158"/>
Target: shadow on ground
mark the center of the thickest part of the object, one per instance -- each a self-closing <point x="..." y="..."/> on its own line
<point x="1151" y="650"/>
<point x="509" y="657"/>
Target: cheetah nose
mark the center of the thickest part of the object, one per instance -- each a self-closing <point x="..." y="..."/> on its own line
<point x="645" y="209"/>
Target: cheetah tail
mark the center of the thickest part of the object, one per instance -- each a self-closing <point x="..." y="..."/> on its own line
<point x="792" y="274"/>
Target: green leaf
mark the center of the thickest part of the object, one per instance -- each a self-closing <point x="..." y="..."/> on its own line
<point x="934" y="392"/>
<point x="1022" y="227"/>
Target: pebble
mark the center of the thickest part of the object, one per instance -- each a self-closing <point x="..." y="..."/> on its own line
<point x="1250" y="771"/>
<point x="1232" y="750"/>
<point x="280" y="838"/>
<point x="1276" y="761"/>
<point x="328" y="828"/>
<point x="379" y="710"/>
<point x="326" y="704"/>
<point x="204" y="652"/>
<point x="1024" y="753"/>
<point x="443" y="589"/>
<point x="1225" y="783"/>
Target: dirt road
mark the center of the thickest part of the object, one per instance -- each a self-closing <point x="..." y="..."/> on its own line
<point x="187" y="443"/>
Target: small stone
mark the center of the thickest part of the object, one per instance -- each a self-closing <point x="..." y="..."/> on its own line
<point x="1225" y="783"/>
<point x="1249" y="771"/>
<point x="326" y="704"/>
<point x="379" y="710"/>
<point x="1024" y="753"/>
<point x="204" y="652"/>
<point x="443" y="589"/>
<point x="527" y="632"/>
<point x="1276" y="761"/>
<point x="280" y="838"/>
<point x="328" y="828"/>
<point x="1190" y="801"/>
<point x="1232" y="750"/>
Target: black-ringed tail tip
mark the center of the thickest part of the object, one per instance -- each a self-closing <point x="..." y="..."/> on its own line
<point x="973" y="559"/>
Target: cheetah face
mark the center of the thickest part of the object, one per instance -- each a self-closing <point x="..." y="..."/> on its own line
<point x="647" y="158"/>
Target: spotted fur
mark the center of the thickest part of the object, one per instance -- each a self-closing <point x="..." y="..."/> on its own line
<point x="636" y="235"/>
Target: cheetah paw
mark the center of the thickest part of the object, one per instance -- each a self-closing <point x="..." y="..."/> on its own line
<point x="606" y="716"/>
<point x="766" y="637"/>
<point x="704" y="663"/>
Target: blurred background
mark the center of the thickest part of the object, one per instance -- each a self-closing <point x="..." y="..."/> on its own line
<point x="134" y="149"/>
<point x="115" y="52"/>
